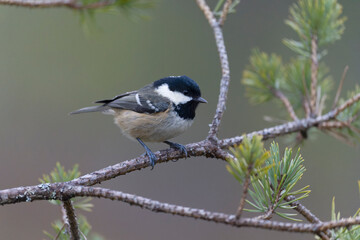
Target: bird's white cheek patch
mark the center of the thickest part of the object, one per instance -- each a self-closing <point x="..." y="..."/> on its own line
<point x="175" y="97"/>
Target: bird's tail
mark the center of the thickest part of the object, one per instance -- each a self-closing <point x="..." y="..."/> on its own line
<point x="91" y="109"/>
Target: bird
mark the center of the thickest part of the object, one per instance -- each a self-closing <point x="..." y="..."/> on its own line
<point x="157" y="112"/>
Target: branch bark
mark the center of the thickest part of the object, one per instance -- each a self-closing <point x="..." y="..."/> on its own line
<point x="245" y="192"/>
<point x="61" y="191"/>
<point x="70" y="220"/>
<point x="307" y="214"/>
<point x="225" y="79"/>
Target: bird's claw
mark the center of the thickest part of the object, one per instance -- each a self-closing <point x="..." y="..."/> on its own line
<point x="152" y="158"/>
<point x="178" y="146"/>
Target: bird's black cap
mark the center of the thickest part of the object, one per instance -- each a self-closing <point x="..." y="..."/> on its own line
<point x="182" y="84"/>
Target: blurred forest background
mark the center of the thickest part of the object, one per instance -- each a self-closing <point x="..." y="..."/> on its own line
<point x="49" y="67"/>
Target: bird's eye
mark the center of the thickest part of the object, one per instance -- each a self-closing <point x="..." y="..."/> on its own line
<point x="186" y="92"/>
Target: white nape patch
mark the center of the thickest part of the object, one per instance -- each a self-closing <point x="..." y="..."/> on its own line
<point x="175" y="97"/>
<point x="138" y="99"/>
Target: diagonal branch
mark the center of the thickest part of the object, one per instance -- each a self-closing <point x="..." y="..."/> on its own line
<point x="347" y="104"/>
<point x="307" y="214"/>
<point x="286" y="103"/>
<point x="60" y="191"/>
<point x="225" y="79"/>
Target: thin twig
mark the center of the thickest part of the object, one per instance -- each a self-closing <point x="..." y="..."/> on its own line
<point x="61" y="229"/>
<point x="314" y="73"/>
<point x="270" y="211"/>
<point x="340" y="136"/>
<point x="286" y="102"/>
<point x="70" y="220"/>
<point x="306" y="107"/>
<point x="333" y="124"/>
<point x="347" y="104"/>
<point x="321" y="105"/>
<point x="225" y="79"/>
<point x="340" y="87"/>
<point x="225" y="12"/>
<point x="245" y="191"/>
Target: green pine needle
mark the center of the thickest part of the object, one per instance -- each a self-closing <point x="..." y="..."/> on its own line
<point x="269" y="190"/>
<point x="344" y="233"/>
<point x="264" y="74"/>
<point x="298" y="81"/>
<point x="84" y="227"/>
<point x="315" y="18"/>
<point x="59" y="174"/>
<point x="249" y="156"/>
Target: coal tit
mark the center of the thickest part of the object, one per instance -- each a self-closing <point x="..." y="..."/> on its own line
<point x="155" y="113"/>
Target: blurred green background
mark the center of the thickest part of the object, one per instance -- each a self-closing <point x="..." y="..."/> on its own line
<point x="49" y="67"/>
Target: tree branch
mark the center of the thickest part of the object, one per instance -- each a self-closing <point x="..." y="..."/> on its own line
<point x="347" y="104"/>
<point x="209" y="148"/>
<point x="70" y="220"/>
<point x="60" y="191"/>
<point x="225" y="79"/>
<point x="202" y="148"/>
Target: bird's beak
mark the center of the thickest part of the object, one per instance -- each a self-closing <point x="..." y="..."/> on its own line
<point x="200" y="99"/>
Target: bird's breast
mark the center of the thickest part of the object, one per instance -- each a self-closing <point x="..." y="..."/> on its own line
<point x="156" y="127"/>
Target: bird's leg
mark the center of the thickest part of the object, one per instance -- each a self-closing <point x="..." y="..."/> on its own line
<point x="177" y="146"/>
<point x="150" y="154"/>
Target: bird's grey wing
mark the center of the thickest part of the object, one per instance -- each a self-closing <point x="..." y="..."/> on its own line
<point x="137" y="102"/>
<point x="116" y="97"/>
